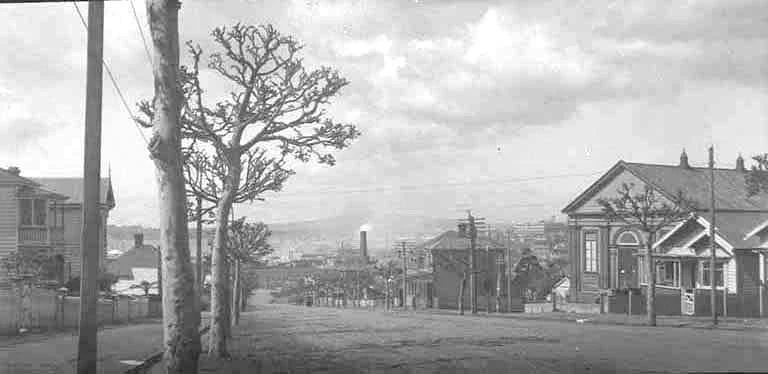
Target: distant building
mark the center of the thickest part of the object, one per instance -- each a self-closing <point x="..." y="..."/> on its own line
<point x="450" y="257"/>
<point x="140" y="263"/>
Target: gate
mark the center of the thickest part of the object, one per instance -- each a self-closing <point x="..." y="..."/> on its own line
<point x="687" y="306"/>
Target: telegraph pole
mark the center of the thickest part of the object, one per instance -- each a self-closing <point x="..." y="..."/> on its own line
<point x="405" y="276"/>
<point x="712" y="272"/>
<point x="403" y="248"/>
<point x="499" y="270"/>
<point x="472" y="265"/>
<point x="87" y="344"/>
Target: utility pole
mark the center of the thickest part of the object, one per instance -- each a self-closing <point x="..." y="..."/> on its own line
<point x="472" y="265"/>
<point x="403" y="248"/>
<point x="405" y="276"/>
<point x="87" y="344"/>
<point x="468" y="229"/>
<point x="499" y="270"/>
<point x="713" y="260"/>
<point x="487" y="277"/>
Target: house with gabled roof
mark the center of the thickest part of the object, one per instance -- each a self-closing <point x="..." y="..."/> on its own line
<point x="71" y="211"/>
<point x="448" y="258"/>
<point x="44" y="215"/>
<point x="608" y="256"/>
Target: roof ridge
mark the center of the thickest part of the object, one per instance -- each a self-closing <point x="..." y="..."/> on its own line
<point x="678" y="166"/>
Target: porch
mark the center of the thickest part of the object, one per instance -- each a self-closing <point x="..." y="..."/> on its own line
<point x="40" y="235"/>
<point x="684" y="287"/>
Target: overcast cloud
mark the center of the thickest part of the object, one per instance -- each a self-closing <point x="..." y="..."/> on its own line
<point x="456" y="97"/>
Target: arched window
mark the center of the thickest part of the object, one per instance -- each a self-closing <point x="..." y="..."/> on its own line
<point x="627" y="238"/>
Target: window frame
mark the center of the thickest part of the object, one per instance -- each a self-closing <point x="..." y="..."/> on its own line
<point x="704" y="270"/>
<point x="619" y="242"/>
<point x="591" y="264"/>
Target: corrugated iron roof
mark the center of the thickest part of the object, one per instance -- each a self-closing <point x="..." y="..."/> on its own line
<point x="145" y="256"/>
<point x="730" y="185"/>
<point x="73" y="187"/>
<point x="7" y="176"/>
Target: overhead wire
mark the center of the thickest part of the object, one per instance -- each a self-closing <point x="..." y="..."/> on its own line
<point x="141" y="33"/>
<point x="437" y="185"/>
<point x="114" y="81"/>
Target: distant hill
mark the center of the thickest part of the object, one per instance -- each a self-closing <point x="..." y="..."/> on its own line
<point x="326" y="235"/>
<point x="315" y="236"/>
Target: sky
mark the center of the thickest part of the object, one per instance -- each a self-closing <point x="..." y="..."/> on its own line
<point x="510" y="108"/>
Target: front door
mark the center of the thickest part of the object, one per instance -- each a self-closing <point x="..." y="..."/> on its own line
<point x="627" y="267"/>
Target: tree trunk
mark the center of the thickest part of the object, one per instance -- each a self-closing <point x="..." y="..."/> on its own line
<point x="200" y="277"/>
<point x="236" y="293"/>
<point x="220" y="281"/>
<point x="244" y="292"/>
<point x="181" y="313"/>
<point x="228" y="298"/>
<point x="650" y="299"/>
<point x="462" y="284"/>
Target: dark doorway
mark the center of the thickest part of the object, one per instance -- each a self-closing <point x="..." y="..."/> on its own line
<point x="627" y="267"/>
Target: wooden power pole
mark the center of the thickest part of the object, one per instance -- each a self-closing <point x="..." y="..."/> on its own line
<point x="712" y="280"/>
<point x="404" y="253"/>
<point x="90" y="246"/>
<point x="472" y="263"/>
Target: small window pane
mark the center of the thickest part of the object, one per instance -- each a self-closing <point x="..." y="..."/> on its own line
<point x="26" y="212"/>
<point x="40" y="212"/>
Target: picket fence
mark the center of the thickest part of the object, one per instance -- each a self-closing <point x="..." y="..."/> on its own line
<point x="47" y="310"/>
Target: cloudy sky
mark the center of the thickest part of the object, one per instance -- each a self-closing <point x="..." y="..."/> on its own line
<point x="510" y="108"/>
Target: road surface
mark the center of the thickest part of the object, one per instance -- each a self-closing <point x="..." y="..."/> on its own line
<point x="296" y="339"/>
<point x="58" y="353"/>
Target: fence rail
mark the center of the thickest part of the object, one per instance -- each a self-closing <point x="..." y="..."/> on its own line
<point x="46" y="310"/>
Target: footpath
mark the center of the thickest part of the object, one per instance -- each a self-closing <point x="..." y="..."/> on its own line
<point x="120" y="347"/>
<point x="698" y="322"/>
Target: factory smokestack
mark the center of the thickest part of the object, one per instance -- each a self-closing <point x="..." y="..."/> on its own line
<point x="364" y="245"/>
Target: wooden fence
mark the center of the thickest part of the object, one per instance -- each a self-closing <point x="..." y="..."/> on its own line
<point x="46" y="310"/>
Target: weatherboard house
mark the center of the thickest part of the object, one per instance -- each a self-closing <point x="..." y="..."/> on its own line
<point x="607" y="256"/>
<point x="44" y="215"/>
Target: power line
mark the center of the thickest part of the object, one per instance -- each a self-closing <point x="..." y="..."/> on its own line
<point x="437" y="185"/>
<point x="114" y="81"/>
<point x="141" y="33"/>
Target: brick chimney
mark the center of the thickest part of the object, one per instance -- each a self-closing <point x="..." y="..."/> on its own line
<point x="138" y="240"/>
<point x="740" y="164"/>
<point x="364" y="244"/>
<point x="684" y="160"/>
<point x="14" y="170"/>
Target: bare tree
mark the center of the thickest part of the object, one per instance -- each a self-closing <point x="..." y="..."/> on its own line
<point x="236" y="149"/>
<point x="757" y="178"/>
<point x="181" y="314"/>
<point x="387" y="270"/>
<point x="246" y="243"/>
<point x="649" y="212"/>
